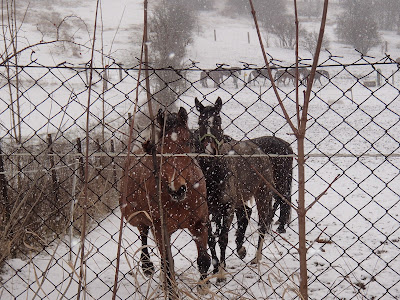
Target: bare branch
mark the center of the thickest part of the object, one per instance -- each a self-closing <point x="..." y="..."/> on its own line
<point x="310" y="81"/>
<point x="83" y="233"/>
<point x="323" y="193"/>
<point x="271" y="186"/>
<point x="285" y="239"/>
<point x="253" y="12"/>
<point x="313" y="242"/>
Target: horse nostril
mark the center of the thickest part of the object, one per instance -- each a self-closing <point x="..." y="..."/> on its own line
<point x="178" y="195"/>
<point x="182" y="189"/>
<point x="181" y="192"/>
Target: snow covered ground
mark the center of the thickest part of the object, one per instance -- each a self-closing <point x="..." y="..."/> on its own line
<point x="349" y="127"/>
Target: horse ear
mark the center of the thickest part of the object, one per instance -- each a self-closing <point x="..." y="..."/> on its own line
<point x="183" y="115"/>
<point x="218" y="104"/>
<point x="199" y="106"/>
<point x="160" y="117"/>
<point x="148" y="147"/>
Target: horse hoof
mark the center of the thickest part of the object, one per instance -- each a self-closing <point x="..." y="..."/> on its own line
<point x="215" y="263"/>
<point x="281" y="229"/>
<point x="148" y="269"/>
<point x="242" y="252"/>
<point x="254" y="261"/>
<point x="203" y="288"/>
<point x="220" y="280"/>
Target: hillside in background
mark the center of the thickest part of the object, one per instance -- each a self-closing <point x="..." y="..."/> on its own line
<point x="221" y="36"/>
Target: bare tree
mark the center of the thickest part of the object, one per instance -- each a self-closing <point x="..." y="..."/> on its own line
<point x="310" y="41"/>
<point x="387" y="15"/>
<point x="299" y="129"/>
<point x="275" y="20"/>
<point x="357" y="26"/>
<point x="285" y="30"/>
<point x="171" y="27"/>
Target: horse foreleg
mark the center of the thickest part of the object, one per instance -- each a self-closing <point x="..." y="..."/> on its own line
<point x="243" y="214"/>
<point x="167" y="264"/>
<point x="261" y="238"/>
<point x="284" y="214"/>
<point x="147" y="265"/>
<point x="211" y="244"/>
<point x="265" y="216"/>
<point x="200" y="235"/>
<point x="223" y="242"/>
<point x="285" y="187"/>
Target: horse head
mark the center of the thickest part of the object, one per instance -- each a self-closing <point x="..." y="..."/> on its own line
<point x="175" y="136"/>
<point x="210" y="126"/>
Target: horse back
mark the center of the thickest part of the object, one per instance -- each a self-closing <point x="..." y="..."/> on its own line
<point x="282" y="166"/>
<point x="244" y="172"/>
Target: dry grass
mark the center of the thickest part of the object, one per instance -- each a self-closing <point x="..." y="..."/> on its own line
<point x="40" y="210"/>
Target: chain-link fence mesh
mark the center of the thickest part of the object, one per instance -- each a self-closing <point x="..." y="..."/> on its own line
<point x="353" y="131"/>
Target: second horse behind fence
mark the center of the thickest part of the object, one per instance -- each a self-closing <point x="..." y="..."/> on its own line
<point x="232" y="181"/>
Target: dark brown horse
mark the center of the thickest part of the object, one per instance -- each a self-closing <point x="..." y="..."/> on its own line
<point x="232" y="180"/>
<point x="285" y="76"/>
<point x="257" y="74"/>
<point x="182" y="191"/>
<point x="318" y="75"/>
<point x="215" y="75"/>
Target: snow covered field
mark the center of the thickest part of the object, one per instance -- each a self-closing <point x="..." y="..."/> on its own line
<point x="353" y="132"/>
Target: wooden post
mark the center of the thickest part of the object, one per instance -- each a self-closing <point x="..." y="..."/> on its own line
<point x="81" y="170"/>
<point x="215" y="35"/>
<point x="87" y="74"/>
<point x="248" y="37"/>
<point x="113" y="161"/>
<point x="378" y="77"/>
<point x="53" y="171"/>
<point x="99" y="164"/>
<point x="105" y="79"/>
<point x="129" y="119"/>
<point x="73" y="202"/>
<point x="120" y="72"/>
<point x="393" y="77"/>
<point x="3" y="187"/>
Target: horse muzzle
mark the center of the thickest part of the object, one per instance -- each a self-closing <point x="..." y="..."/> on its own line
<point x="178" y="195"/>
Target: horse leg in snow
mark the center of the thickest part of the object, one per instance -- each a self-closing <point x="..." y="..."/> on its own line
<point x="211" y="244"/>
<point x="223" y="240"/>
<point x="265" y="216"/>
<point x="235" y="81"/>
<point x="166" y="265"/>
<point x="203" y="258"/>
<point x="285" y="209"/>
<point x="147" y="265"/>
<point x="283" y="181"/>
<point x="243" y="214"/>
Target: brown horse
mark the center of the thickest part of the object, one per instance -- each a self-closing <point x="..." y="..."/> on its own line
<point x="285" y="77"/>
<point x="182" y="191"/>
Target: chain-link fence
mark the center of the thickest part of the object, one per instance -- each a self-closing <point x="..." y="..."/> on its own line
<point x="353" y="131"/>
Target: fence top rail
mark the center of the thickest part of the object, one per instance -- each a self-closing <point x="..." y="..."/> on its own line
<point x="274" y="64"/>
<point x="116" y="154"/>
